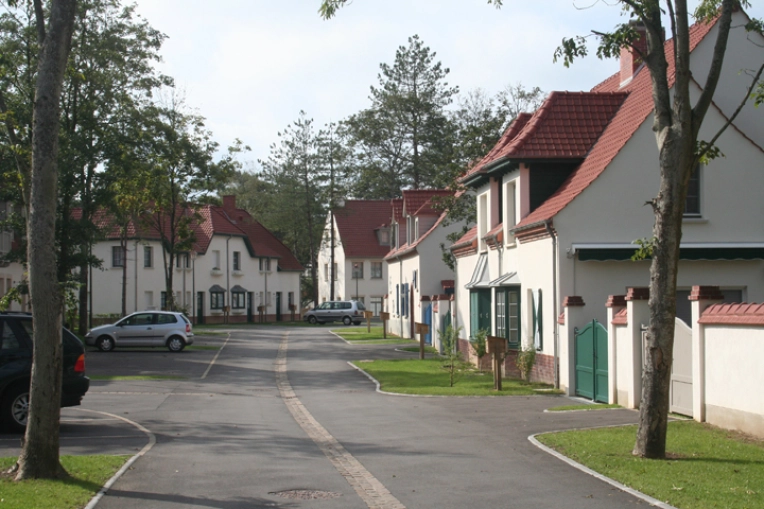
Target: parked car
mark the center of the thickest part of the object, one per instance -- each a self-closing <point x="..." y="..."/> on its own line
<point x="16" y="333"/>
<point x="144" y="328"/>
<point x="346" y="311"/>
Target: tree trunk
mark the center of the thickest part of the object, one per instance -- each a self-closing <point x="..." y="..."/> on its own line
<point x="39" y="456"/>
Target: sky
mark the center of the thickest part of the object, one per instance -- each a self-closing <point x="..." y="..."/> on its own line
<point x="250" y="66"/>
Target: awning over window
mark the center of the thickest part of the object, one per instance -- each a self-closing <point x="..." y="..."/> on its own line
<point x="622" y="252"/>
<point x="238" y="289"/>
<point x="217" y="289"/>
<point x="480" y="278"/>
<point x="508" y="279"/>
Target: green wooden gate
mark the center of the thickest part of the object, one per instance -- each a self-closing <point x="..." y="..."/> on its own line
<point x="591" y="362"/>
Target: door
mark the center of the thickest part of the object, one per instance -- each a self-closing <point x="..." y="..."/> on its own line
<point x="480" y="311"/>
<point x="199" y="307"/>
<point x="427" y="319"/>
<point x="136" y="330"/>
<point x="278" y="306"/>
<point x="591" y="362"/>
<point x="681" y="370"/>
<point x="250" y="307"/>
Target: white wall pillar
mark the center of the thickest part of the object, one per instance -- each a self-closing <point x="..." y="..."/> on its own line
<point x="573" y="309"/>
<point x="638" y="315"/>
<point x="614" y="304"/>
<point x="701" y="297"/>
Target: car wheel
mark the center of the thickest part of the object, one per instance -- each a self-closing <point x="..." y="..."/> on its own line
<point x="15" y="408"/>
<point x="347" y="320"/>
<point x="312" y="320"/>
<point x="105" y="344"/>
<point x="176" y="344"/>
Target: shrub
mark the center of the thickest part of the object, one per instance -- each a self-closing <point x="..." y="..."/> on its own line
<point x="479" y="344"/>
<point x="526" y="358"/>
<point x="449" y="340"/>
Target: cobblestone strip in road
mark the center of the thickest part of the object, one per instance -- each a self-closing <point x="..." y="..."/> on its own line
<point x="368" y="487"/>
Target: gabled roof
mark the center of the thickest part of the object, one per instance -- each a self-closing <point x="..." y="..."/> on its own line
<point x="419" y="202"/>
<point x="210" y="220"/>
<point x="358" y="222"/>
<point x="397" y="204"/>
<point x="635" y="109"/>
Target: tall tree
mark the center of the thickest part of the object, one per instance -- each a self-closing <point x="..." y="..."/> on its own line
<point x="401" y="138"/>
<point x="677" y="121"/>
<point x="183" y="170"/>
<point x="298" y="180"/>
<point x="39" y="456"/>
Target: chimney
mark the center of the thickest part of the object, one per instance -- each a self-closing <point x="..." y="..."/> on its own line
<point x="630" y="55"/>
<point x="229" y="203"/>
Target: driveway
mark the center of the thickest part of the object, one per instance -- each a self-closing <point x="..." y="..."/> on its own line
<point x="281" y="420"/>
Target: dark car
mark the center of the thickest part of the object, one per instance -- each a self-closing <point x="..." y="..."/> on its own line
<point x="16" y="367"/>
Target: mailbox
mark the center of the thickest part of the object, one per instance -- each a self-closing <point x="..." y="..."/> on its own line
<point x="421" y="328"/>
<point x="368" y="314"/>
<point x="384" y="316"/>
<point x="496" y="345"/>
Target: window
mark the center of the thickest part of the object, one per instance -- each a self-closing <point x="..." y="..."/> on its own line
<point x="163" y="300"/>
<point x="482" y="220"/>
<point x="375" y="305"/>
<point x="216" y="260"/>
<point x="166" y="318"/>
<point x="357" y="270"/>
<point x="138" y="319"/>
<point x="336" y="273"/>
<point x="692" y="203"/>
<point x="236" y="260"/>
<point x="149" y="299"/>
<point x="507" y="313"/>
<point x="238" y="300"/>
<point x="182" y="260"/>
<point x="509" y="212"/>
<point x="326" y="272"/>
<point x="397" y="300"/>
<point x="148" y="256"/>
<point x="383" y="235"/>
<point x="290" y="299"/>
<point x="538" y="329"/>
<point x="265" y="264"/>
<point x="217" y="299"/>
<point x="409" y="229"/>
<point x="376" y="270"/>
<point x="117" y="256"/>
<point x="8" y="340"/>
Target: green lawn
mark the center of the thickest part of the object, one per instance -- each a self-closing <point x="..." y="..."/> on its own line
<point x="87" y="475"/>
<point x="360" y="334"/>
<point x="708" y="467"/>
<point x="415" y="349"/>
<point x="114" y="378"/>
<point x="586" y="407"/>
<point x="431" y="377"/>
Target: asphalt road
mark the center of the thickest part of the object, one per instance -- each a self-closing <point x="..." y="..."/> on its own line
<point x="255" y="426"/>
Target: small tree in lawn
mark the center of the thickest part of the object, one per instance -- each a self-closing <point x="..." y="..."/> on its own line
<point x="479" y="346"/>
<point x="451" y="354"/>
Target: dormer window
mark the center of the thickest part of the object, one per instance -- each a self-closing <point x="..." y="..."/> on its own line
<point x="383" y="236"/>
<point x="409" y="229"/>
<point x="692" y="202"/>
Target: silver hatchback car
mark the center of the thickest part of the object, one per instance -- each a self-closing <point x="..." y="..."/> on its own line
<point x="144" y="328"/>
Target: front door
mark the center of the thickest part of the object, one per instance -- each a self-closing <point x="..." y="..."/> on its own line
<point x="427" y="319"/>
<point x="480" y="311"/>
<point x="199" y="307"/>
<point x="591" y="362"/>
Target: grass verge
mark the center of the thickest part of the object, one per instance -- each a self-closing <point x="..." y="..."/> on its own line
<point x="415" y="349"/>
<point x="114" y="378"/>
<point x="707" y="467"/>
<point x="587" y="407"/>
<point x="431" y="377"/>
<point x="360" y="334"/>
<point x="87" y="475"/>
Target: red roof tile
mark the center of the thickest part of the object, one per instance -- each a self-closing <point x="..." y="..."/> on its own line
<point x="733" y="314"/>
<point x="418" y="202"/>
<point x="357" y="223"/>
<point x="634" y="111"/>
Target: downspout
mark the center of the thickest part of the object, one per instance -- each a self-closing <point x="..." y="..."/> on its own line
<point x="554" y="305"/>
<point x="193" y="287"/>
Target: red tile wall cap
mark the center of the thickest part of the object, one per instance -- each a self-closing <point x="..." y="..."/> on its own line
<point x="635" y="109"/>
<point x="706" y="293"/>
<point x="638" y="293"/>
<point x="733" y="314"/>
<point x="452" y="298"/>
<point x="561" y="318"/>
<point x="425" y="298"/>
<point x="621" y="318"/>
<point x="573" y="301"/>
<point x="442" y="296"/>
<point x="447" y="283"/>
<point x="616" y="301"/>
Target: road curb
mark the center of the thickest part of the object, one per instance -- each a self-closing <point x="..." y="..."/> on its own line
<point x="650" y="500"/>
<point x="146" y="448"/>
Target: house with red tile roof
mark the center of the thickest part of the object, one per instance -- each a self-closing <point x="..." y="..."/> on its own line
<point x="236" y="267"/>
<point x="361" y="241"/>
<point x="562" y="197"/>
<point x="416" y="270"/>
<point x="11" y="273"/>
